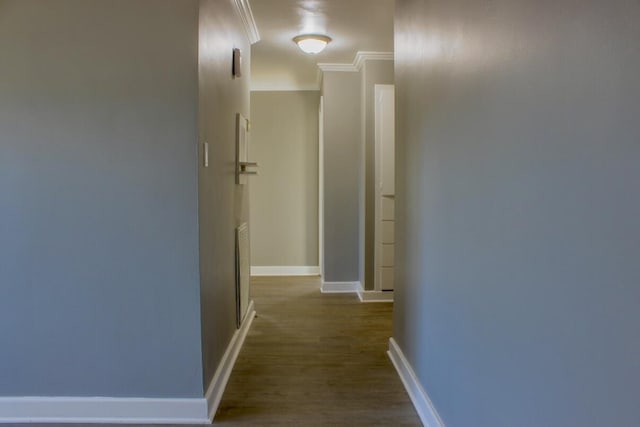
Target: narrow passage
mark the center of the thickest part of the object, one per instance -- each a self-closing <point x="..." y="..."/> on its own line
<point x="313" y="359"/>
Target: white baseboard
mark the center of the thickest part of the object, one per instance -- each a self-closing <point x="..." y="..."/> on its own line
<point x="356" y="287"/>
<point x="419" y="397"/>
<point x="102" y="410"/>
<point x="340" y="287"/>
<point x="221" y="377"/>
<point x="375" y="296"/>
<point x="108" y="410"/>
<point x="295" y="270"/>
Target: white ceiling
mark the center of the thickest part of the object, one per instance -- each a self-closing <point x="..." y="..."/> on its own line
<point x="354" y="25"/>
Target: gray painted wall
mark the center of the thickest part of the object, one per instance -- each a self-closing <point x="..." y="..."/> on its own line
<point x="517" y="174"/>
<point x="373" y="73"/>
<point x="342" y="163"/>
<point x="223" y="205"/>
<point x="99" y="290"/>
<point x="284" y="197"/>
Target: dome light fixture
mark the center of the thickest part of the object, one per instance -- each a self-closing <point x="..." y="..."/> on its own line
<point x="312" y="43"/>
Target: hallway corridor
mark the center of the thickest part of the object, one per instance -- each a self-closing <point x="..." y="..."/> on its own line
<point x="314" y="359"/>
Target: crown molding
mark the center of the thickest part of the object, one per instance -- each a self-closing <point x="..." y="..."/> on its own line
<point x="358" y="61"/>
<point x="362" y="56"/>
<point x="246" y="15"/>
<point x="345" y="68"/>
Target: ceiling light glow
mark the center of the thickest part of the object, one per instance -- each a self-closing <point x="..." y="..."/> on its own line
<point x="312" y="43"/>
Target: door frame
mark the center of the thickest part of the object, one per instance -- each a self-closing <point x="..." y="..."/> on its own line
<point x="321" y="186"/>
<point x="377" y="241"/>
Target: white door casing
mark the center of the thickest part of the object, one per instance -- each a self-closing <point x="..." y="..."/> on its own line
<point x="385" y="187"/>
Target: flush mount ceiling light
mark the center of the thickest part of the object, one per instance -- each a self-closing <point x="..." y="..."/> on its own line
<point x="311" y="43"/>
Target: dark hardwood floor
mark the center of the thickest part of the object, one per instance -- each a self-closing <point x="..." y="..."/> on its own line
<point x="313" y="359"/>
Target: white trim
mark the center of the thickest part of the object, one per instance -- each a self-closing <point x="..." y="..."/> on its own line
<point x="340" y="287"/>
<point x="375" y="296"/>
<point x="102" y="410"/>
<point x="221" y="377"/>
<point x="426" y="411"/>
<point x="321" y="184"/>
<point x="283" y="87"/>
<point x="362" y="56"/>
<point x="348" y="68"/>
<point x="130" y="410"/>
<point x="295" y="270"/>
<point x="246" y="15"/>
<point x="377" y="203"/>
<point x="358" y="61"/>
<point x="379" y="90"/>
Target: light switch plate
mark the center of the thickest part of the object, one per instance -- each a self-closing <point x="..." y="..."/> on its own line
<point x="205" y="150"/>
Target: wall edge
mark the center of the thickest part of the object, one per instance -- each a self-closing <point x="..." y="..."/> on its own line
<point x="420" y="399"/>
<point x="213" y="397"/>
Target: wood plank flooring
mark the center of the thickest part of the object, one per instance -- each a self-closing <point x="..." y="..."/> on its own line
<point x="313" y="359"/>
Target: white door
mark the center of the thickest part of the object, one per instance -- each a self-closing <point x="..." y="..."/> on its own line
<point x="385" y="186"/>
